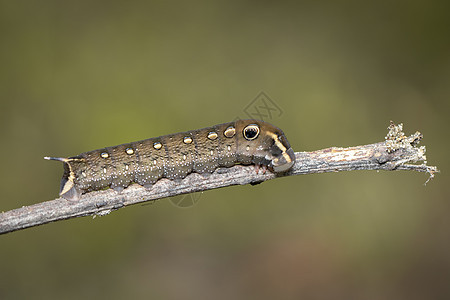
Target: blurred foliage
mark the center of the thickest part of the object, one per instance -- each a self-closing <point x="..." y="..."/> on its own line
<point x="76" y="76"/>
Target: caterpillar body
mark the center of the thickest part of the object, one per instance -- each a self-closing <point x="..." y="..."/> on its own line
<point x="174" y="156"/>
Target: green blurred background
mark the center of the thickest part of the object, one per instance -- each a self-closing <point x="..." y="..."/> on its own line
<point x="77" y="76"/>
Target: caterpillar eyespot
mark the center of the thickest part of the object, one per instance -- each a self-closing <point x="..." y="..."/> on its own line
<point x="251" y="132"/>
<point x="174" y="156"/>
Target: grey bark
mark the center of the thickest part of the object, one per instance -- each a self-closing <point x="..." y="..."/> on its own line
<point x="397" y="152"/>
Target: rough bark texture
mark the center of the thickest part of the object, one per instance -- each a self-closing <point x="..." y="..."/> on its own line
<point x="397" y="152"/>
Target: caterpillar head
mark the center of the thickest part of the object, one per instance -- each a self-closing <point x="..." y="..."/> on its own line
<point x="262" y="143"/>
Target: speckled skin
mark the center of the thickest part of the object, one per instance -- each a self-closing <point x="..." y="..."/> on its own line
<point x="199" y="151"/>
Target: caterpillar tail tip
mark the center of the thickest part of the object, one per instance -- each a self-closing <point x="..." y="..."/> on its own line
<point x="63" y="159"/>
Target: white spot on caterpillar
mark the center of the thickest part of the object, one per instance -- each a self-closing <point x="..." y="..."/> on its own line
<point x="154" y="162"/>
<point x="229" y="148"/>
<point x="104" y="155"/>
<point x="126" y="167"/>
<point x="129" y="151"/>
<point x="229" y="132"/>
<point x="187" y="140"/>
<point x="104" y="170"/>
<point x="212" y="152"/>
<point x="184" y="156"/>
<point x="157" y="145"/>
<point x="212" y="135"/>
<point x="83" y="174"/>
<point x="247" y="148"/>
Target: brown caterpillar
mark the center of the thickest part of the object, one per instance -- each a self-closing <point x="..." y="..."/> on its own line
<point x="174" y="156"/>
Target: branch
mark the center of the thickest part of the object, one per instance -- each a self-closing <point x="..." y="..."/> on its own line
<point x="397" y="152"/>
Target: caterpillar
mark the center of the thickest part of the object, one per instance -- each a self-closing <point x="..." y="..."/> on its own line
<point x="174" y="156"/>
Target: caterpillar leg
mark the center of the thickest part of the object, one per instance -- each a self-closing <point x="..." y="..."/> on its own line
<point x="263" y="168"/>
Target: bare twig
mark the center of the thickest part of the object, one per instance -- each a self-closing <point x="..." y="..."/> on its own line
<point x="397" y="152"/>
